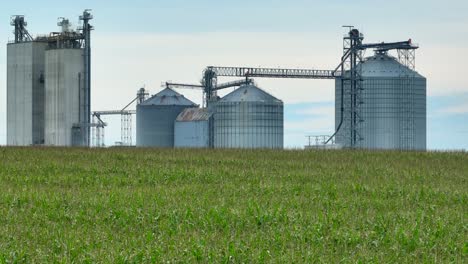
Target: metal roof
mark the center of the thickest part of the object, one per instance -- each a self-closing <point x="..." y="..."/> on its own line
<point x="168" y="97"/>
<point x="194" y="114"/>
<point x="382" y="65"/>
<point x="249" y="93"/>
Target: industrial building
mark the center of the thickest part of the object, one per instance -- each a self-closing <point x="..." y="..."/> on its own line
<point x="380" y="101"/>
<point x="48" y="86"/>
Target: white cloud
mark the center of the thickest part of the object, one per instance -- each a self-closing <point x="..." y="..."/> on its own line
<point x="123" y="63"/>
<point x="296" y="132"/>
<point x="456" y="109"/>
<point x="444" y="68"/>
<point x="317" y="111"/>
<point x="310" y="126"/>
<point x="316" y="121"/>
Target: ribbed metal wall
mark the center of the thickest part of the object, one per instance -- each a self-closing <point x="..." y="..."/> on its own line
<point x="393" y="109"/>
<point x="192" y="134"/>
<point x="64" y="78"/>
<point x="248" y="118"/>
<point x="156" y="117"/>
<point x="192" y="128"/>
<point x="25" y="93"/>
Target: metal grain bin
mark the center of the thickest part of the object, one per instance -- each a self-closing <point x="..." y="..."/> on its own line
<point x="156" y="116"/>
<point x="394" y="107"/>
<point x="248" y="118"/>
<point x="193" y="128"/>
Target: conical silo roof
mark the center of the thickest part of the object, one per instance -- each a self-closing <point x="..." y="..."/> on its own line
<point x="249" y="93"/>
<point x="168" y="97"/>
<point x="383" y="65"/>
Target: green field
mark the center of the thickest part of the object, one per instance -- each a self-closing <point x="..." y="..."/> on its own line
<point x="223" y="206"/>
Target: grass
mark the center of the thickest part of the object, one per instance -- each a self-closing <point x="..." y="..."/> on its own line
<point x="232" y="206"/>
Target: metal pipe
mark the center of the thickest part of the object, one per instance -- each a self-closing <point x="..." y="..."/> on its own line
<point x="341" y="115"/>
<point x="86" y="17"/>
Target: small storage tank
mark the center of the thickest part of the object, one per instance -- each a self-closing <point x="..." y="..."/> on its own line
<point x="156" y="116"/>
<point x="393" y="112"/>
<point x="248" y="118"/>
<point x="193" y="128"/>
<point x="64" y="72"/>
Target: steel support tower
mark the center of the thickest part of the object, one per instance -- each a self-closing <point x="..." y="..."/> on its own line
<point x="126" y="128"/>
<point x="351" y="83"/>
<point x="21" y="33"/>
<point x="126" y="125"/>
<point x="126" y="121"/>
<point x="98" y="132"/>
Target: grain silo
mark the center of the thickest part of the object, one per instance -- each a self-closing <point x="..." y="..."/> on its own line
<point x="67" y="87"/>
<point x="193" y="128"/>
<point x="248" y="118"/>
<point x="393" y="110"/>
<point x="25" y="88"/>
<point x="156" y="117"/>
<point x="64" y="75"/>
<point x="49" y="85"/>
<point x="25" y="93"/>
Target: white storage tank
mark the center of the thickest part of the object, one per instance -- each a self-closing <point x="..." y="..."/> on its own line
<point x="248" y="118"/>
<point x="64" y="73"/>
<point x="156" y="117"/>
<point x="394" y="106"/>
<point x="193" y="128"/>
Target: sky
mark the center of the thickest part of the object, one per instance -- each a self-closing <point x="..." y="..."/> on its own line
<point x="144" y="43"/>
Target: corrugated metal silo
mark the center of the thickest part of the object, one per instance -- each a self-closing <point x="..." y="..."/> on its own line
<point x="193" y="128"/>
<point x="64" y="73"/>
<point x="156" y="116"/>
<point x="248" y="118"/>
<point x="394" y="106"/>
